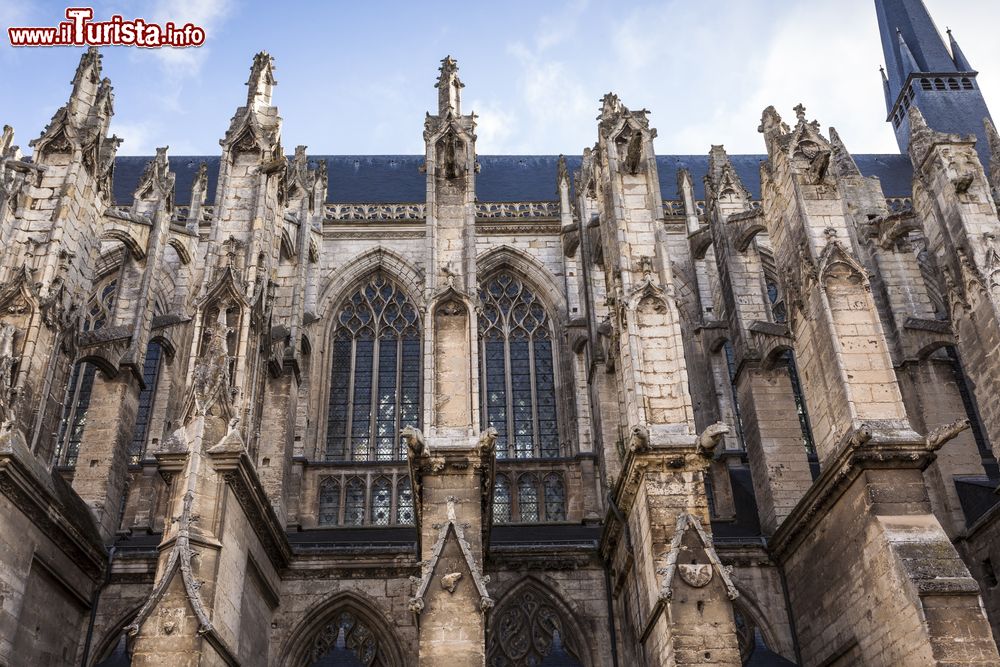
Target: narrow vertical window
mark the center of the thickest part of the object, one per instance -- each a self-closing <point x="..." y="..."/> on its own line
<point x="354" y="502"/>
<point x="381" y="502"/>
<point x="527" y="498"/>
<point x="555" y="498"/>
<point x="150" y="377"/>
<point x="374" y="374"/>
<point x="329" y="502"/>
<point x="501" y="500"/>
<point x="404" y="502"/>
<point x="517" y="370"/>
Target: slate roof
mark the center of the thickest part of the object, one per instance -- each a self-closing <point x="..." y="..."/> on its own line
<point x="397" y="178"/>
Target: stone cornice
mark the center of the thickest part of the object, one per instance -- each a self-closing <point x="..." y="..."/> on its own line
<point x="868" y="447"/>
<point x="45" y="499"/>
<point x="238" y="472"/>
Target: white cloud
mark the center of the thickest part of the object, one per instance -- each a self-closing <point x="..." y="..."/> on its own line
<point x="180" y="63"/>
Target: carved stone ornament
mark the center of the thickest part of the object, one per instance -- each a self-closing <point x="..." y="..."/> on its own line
<point x="427" y="567"/>
<point x="697" y="575"/>
<point x="180" y="559"/>
<point x="686" y="522"/>
<point x="449" y="582"/>
<point x="211" y="372"/>
<point x="8" y="363"/>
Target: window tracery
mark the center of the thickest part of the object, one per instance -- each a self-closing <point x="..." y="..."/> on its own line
<point x="374" y="375"/>
<point x="150" y="379"/>
<point x="385" y="500"/>
<point x="97" y="314"/>
<point x="534" y="502"/>
<point x="347" y="637"/>
<point x="517" y="370"/>
<point x="526" y="628"/>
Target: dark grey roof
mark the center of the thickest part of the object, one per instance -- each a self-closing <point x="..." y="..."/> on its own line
<point x="397" y="178"/>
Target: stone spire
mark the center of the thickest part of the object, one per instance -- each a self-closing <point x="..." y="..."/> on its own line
<point x="842" y="159"/>
<point x="449" y="88"/>
<point x="261" y="82"/>
<point x="944" y="85"/>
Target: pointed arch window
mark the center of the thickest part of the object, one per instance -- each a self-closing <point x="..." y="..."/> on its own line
<point x="555" y="497"/>
<point x="354" y="502"/>
<point x="527" y="498"/>
<point x="501" y="500"/>
<point x="404" y="502"/>
<point x="150" y="378"/>
<point x="374" y="374"/>
<point x="329" y="502"/>
<point x="381" y="502"/>
<point x="516" y="369"/>
<point x="97" y="313"/>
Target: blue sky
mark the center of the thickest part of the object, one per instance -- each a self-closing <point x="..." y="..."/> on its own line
<point x="356" y="77"/>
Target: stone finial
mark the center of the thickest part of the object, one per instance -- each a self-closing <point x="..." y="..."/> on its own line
<point x="800" y="112"/>
<point x="845" y="164"/>
<point x="562" y="173"/>
<point x="449" y="88"/>
<point x="261" y="82"/>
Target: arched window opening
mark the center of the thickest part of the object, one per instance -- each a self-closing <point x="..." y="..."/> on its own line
<point x="516" y="369"/>
<point x="967" y="84"/>
<point x="98" y="312"/>
<point x="329" y="502"/>
<point x="926" y="84"/>
<point x="150" y="377"/>
<point x="118" y="654"/>
<point x="527" y="498"/>
<point x="501" y="500"/>
<point x="800" y="403"/>
<point x="404" y="502"/>
<point x="528" y="628"/>
<point x="953" y="84"/>
<point x="354" y="502"/>
<point x="938" y="84"/>
<point x="555" y="497"/>
<point x="731" y="370"/>
<point x="374" y="374"/>
<point x="381" y="502"/>
<point x="972" y="412"/>
<point x="348" y="641"/>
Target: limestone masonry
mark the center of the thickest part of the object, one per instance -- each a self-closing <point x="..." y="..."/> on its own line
<point x="618" y="409"/>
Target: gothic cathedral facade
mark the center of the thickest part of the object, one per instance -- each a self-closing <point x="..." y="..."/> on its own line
<point x="613" y="409"/>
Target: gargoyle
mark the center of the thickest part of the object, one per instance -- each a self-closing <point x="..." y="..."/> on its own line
<point x="711" y="437"/>
<point x="962" y="183"/>
<point x="861" y="435"/>
<point x="639" y="442"/>
<point x="414" y="440"/>
<point x="942" y="434"/>
<point x="488" y="441"/>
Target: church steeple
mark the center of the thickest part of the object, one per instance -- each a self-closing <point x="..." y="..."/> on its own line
<point x="922" y="71"/>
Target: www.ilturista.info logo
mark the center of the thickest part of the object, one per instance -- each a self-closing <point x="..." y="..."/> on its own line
<point x="79" y="30"/>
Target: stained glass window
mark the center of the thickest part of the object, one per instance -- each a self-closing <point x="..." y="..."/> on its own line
<point x="404" y="502"/>
<point x="527" y="498"/>
<point x="381" y="501"/>
<point x="97" y="313"/>
<point x="501" y="500"/>
<point x="150" y="376"/>
<point x="517" y="373"/>
<point x="555" y="497"/>
<point x="354" y="503"/>
<point x="329" y="502"/>
<point x="374" y="374"/>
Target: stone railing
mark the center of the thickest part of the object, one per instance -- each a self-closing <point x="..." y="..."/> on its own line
<point x="518" y="210"/>
<point x="402" y="212"/>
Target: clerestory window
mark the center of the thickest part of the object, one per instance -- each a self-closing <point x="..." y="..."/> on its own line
<point x="374" y="374"/>
<point x="516" y="369"/>
<point x="97" y="314"/>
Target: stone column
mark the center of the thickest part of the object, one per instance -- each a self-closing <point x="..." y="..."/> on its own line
<point x="959" y="216"/>
<point x="770" y="422"/>
<point x="659" y="498"/>
<point x="453" y="490"/>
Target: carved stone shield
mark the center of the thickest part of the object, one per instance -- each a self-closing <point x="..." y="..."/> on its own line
<point x="695" y="575"/>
